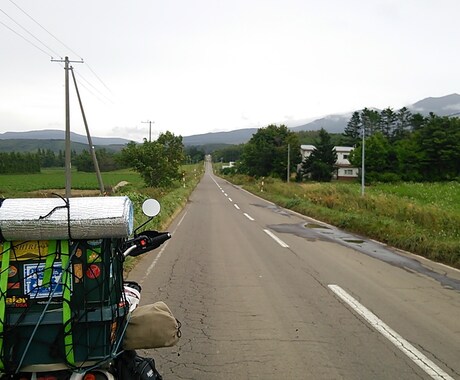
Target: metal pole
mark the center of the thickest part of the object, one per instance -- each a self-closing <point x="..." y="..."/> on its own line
<point x="68" y="178"/>
<point x="150" y="129"/>
<point x="289" y="163"/>
<point x="362" y="162"/>
<point x="90" y="142"/>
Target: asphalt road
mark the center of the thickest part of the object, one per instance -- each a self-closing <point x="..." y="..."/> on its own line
<point x="264" y="293"/>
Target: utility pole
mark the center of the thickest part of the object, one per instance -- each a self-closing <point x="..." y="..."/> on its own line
<point x="90" y="142"/>
<point x="68" y="178"/>
<point x="150" y="128"/>
<point x="362" y="161"/>
<point x="289" y="163"/>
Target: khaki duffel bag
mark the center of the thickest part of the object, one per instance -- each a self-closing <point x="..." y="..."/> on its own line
<point x="152" y="326"/>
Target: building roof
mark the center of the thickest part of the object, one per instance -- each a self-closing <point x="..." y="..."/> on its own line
<point x="307" y="147"/>
<point x="343" y="148"/>
<point x="337" y="148"/>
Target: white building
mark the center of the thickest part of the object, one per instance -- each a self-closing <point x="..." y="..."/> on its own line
<point x="344" y="170"/>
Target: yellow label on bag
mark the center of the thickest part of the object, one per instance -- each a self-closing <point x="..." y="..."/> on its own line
<point x="29" y="250"/>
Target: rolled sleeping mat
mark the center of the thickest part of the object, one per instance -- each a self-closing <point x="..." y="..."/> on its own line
<point x="51" y="218"/>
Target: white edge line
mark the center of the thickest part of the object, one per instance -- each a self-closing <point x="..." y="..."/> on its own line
<point x="276" y="238"/>
<point x="150" y="268"/>
<point x="415" y="355"/>
<point x="248" y="216"/>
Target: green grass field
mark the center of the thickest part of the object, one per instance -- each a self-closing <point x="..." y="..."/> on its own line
<point x="15" y="185"/>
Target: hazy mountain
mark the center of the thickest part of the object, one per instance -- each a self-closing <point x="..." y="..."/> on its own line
<point x="235" y="137"/>
<point x="448" y="105"/>
<point x="331" y="123"/>
<point x="444" y="106"/>
<point x="54" y="134"/>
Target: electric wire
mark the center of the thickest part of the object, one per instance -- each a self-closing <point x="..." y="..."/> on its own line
<point x="80" y="83"/>
<point x="91" y="85"/>
<point x="31" y="34"/>
<point x="25" y="39"/>
<point x="59" y="55"/>
<point x="46" y="30"/>
<point x="100" y="80"/>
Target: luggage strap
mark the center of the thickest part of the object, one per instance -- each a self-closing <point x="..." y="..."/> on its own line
<point x="3" y="288"/>
<point x="50" y="258"/>
<point x="66" y="310"/>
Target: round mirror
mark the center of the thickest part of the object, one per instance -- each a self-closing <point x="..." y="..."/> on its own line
<point x="151" y="207"/>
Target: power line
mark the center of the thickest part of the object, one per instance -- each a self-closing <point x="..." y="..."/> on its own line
<point x="36" y="38"/>
<point x="25" y="39"/>
<point x="92" y="93"/>
<point x="100" y="80"/>
<point x="58" y="40"/>
<point x="41" y="26"/>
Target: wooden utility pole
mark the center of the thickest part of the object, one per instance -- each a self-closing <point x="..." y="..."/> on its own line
<point x="68" y="176"/>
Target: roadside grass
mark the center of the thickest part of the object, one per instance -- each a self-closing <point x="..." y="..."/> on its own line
<point x="422" y="218"/>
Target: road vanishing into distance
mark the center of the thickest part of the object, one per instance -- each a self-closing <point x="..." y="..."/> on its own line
<point x="265" y="293"/>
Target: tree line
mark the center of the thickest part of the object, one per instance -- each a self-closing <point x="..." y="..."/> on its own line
<point x="405" y="146"/>
<point x="19" y="163"/>
<point x="398" y="145"/>
<point x="157" y="162"/>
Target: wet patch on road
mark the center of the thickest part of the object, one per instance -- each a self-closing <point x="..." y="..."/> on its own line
<point x="316" y="225"/>
<point x="315" y="231"/>
<point x="297" y="230"/>
<point x="273" y="208"/>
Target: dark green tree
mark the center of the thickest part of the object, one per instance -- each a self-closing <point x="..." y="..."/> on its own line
<point x="194" y="154"/>
<point x="158" y="162"/>
<point x="387" y="122"/>
<point x="266" y="153"/>
<point x="379" y="159"/>
<point x="402" y="125"/>
<point x="352" y="132"/>
<point x="439" y="148"/>
<point x="319" y="166"/>
<point x="370" y="120"/>
<point x="227" y="154"/>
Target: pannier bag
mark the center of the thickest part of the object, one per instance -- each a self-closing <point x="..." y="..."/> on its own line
<point x="152" y="326"/>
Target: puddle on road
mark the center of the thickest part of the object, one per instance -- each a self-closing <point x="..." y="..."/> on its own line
<point x="356" y="241"/>
<point x="316" y="225"/>
<point x="273" y="208"/>
<point x="313" y="232"/>
<point x="297" y="230"/>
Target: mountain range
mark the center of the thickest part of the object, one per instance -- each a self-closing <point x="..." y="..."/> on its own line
<point x="448" y="105"/>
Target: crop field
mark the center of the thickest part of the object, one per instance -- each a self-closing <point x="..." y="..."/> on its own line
<point x="15" y="185"/>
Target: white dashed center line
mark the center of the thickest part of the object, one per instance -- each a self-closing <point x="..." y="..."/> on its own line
<point x="248" y="216"/>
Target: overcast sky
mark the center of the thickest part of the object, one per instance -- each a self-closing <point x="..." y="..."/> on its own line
<point x="198" y="66"/>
